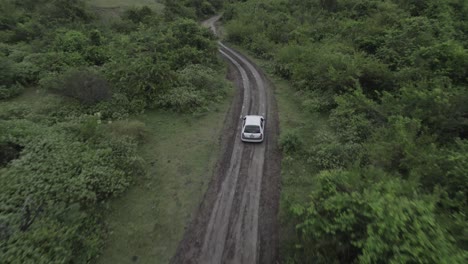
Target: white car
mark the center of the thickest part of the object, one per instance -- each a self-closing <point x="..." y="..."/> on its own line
<point x="252" y="128"/>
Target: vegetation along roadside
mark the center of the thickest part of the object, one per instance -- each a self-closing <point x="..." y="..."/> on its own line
<point x="374" y="123"/>
<point x="85" y="108"/>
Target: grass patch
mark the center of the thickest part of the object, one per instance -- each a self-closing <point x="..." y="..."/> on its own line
<point x="147" y="223"/>
<point x="109" y="10"/>
<point x="31" y="104"/>
<point x="154" y="4"/>
<point x="297" y="175"/>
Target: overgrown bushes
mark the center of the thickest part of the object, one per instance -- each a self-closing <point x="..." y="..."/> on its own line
<point x="391" y="77"/>
<point x="367" y="217"/>
<point x="49" y="194"/>
<point x="141" y="64"/>
<point x="85" y="86"/>
<point x="60" y="165"/>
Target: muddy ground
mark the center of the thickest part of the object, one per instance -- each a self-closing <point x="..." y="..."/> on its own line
<point x="237" y="222"/>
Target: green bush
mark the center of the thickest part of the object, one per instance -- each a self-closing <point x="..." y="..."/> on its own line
<point x="355" y="117"/>
<point x="86" y="86"/>
<point x="138" y="15"/>
<point x="181" y="99"/>
<point x="70" y="41"/>
<point x="8" y="152"/>
<point x="203" y="79"/>
<point x="10" y="91"/>
<point x="329" y="152"/>
<point x="54" y="62"/>
<point x="290" y="143"/>
<point x="50" y="193"/>
<point x="140" y="78"/>
<point x="368" y="217"/>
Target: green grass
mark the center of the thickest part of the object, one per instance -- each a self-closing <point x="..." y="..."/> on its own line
<point x="109" y="10"/>
<point x="30" y="104"/>
<point x="147" y="223"/>
<point x="157" y="5"/>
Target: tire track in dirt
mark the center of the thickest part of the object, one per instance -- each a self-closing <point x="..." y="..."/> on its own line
<point x="226" y="227"/>
<point x="242" y="239"/>
<point x="214" y="241"/>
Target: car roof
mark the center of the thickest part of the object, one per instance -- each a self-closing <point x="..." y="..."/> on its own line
<point x="253" y="120"/>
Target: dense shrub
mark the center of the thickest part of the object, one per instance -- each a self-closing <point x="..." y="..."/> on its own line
<point x="181" y="99"/>
<point x="290" y="143"/>
<point x="62" y="160"/>
<point x="49" y="193"/>
<point x="10" y="91"/>
<point x="54" y="62"/>
<point x="8" y="152"/>
<point x="368" y="217"/>
<point x="9" y="83"/>
<point x="391" y="78"/>
<point x="203" y="79"/>
<point x="70" y="41"/>
<point x="138" y="15"/>
<point x="191" y="9"/>
<point x="329" y="152"/>
<point x="86" y="86"/>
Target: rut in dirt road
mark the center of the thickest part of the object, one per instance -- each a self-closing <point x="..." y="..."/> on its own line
<point x="226" y="227"/>
<point x="232" y="233"/>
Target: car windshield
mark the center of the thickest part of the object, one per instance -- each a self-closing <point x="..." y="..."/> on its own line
<point x="252" y="129"/>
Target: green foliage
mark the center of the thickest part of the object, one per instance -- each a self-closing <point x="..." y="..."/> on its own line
<point x="328" y="152"/>
<point x="44" y="223"/>
<point x="11" y="78"/>
<point x="182" y="99"/>
<point x="132" y="129"/>
<point x="203" y="79"/>
<point x="191" y="8"/>
<point x="198" y="86"/>
<point x="140" y="78"/>
<point x="391" y="77"/>
<point x="70" y="41"/>
<point x="63" y="159"/>
<point x="8" y="152"/>
<point x="368" y="217"/>
<point x="355" y="117"/>
<point x="138" y="15"/>
<point x="290" y="143"/>
<point x="86" y="86"/>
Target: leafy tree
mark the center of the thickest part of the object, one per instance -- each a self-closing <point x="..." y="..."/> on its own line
<point x="86" y="86"/>
<point x="368" y="217"/>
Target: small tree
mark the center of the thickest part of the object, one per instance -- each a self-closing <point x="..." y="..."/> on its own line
<point x="86" y="86"/>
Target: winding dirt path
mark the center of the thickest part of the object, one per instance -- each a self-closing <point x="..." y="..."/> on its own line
<point x="237" y="220"/>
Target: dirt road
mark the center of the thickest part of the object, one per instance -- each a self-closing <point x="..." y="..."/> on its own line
<point x="237" y="220"/>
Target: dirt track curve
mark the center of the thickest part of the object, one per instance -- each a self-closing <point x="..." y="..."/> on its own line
<point x="237" y="220"/>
